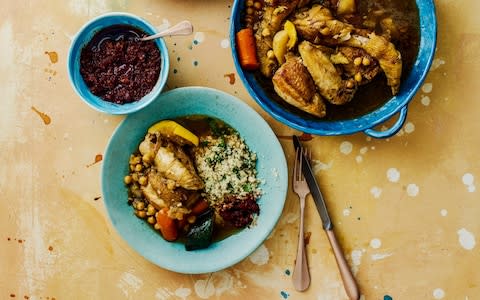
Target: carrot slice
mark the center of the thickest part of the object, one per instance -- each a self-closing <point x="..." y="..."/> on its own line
<point x="168" y="226"/>
<point x="199" y="207"/>
<point x="247" y="50"/>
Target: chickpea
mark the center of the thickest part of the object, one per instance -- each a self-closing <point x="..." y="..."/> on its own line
<point x="250" y="11"/>
<point x="135" y="176"/>
<point x="138" y="167"/>
<point x="366" y="61"/>
<point x="141" y="214"/>
<point x="266" y="32"/>
<point x="358" y="77"/>
<point x="257" y="5"/>
<point x="156" y="226"/>
<point x="151" y="220"/>
<point x="151" y="210"/>
<point x="140" y="205"/>
<point x="350" y="84"/>
<point x="191" y="219"/>
<point x="143" y="180"/>
<point x="249" y="3"/>
<point x="357" y="61"/>
<point x="127" y="179"/>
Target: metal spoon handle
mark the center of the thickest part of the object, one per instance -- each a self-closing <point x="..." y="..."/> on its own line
<point x="182" y="28"/>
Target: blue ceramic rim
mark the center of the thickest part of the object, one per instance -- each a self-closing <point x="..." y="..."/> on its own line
<point x="85" y="34"/>
<point x="408" y="88"/>
<point x="280" y="186"/>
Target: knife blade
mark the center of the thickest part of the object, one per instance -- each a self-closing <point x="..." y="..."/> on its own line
<point x="314" y="188"/>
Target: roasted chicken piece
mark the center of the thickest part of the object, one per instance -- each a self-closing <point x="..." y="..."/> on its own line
<point x="293" y="83"/>
<point x="328" y="80"/>
<point x="318" y="25"/>
<point x="171" y="161"/>
<point x="356" y="63"/>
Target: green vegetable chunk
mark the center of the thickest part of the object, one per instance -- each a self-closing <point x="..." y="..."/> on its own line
<point x="200" y="234"/>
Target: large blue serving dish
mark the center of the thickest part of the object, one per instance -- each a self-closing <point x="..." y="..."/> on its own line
<point x="396" y="105"/>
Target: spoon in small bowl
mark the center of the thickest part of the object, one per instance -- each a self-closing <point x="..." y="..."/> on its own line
<point x="182" y="28"/>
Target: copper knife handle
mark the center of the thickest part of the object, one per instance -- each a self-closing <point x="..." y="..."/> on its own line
<point x="347" y="276"/>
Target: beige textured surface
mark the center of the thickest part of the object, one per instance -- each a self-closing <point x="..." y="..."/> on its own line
<point x="405" y="209"/>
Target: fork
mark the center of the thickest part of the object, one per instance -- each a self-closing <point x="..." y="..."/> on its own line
<point x="301" y="274"/>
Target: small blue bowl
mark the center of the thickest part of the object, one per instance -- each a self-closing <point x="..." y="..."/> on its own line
<point x="271" y="169"/>
<point x="82" y="38"/>
<point x="365" y="123"/>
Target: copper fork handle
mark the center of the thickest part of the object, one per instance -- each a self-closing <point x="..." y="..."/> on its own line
<point x="301" y="274"/>
<point x="347" y="277"/>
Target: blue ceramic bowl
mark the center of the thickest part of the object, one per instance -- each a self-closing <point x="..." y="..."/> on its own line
<point x="271" y="167"/>
<point x="82" y="38"/>
<point x="365" y="123"/>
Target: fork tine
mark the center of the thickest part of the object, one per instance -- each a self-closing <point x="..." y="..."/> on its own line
<point x="295" y="166"/>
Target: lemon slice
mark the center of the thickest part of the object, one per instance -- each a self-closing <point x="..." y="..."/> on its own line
<point x="169" y="127"/>
<point x="289" y="27"/>
<point x="280" y="41"/>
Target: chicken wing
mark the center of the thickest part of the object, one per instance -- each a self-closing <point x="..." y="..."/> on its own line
<point x="318" y="25"/>
<point x="326" y="77"/>
<point x="293" y="83"/>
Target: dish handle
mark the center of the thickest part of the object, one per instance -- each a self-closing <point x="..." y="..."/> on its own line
<point x="392" y="130"/>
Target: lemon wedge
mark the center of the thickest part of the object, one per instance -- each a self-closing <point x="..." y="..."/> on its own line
<point x="169" y="127"/>
<point x="289" y="27"/>
<point x="279" y="46"/>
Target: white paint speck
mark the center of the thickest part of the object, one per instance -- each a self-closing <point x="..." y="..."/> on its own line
<point x="318" y="166"/>
<point x="359" y="158"/>
<point x="425" y="100"/>
<point x="225" y="43"/>
<point x="471" y="188"/>
<point x="183" y="293"/>
<point x="427" y="87"/>
<point x="412" y="190"/>
<point x="346" y="147"/>
<point x="443" y="212"/>
<point x="376" y="192"/>
<point x="393" y="175"/>
<point x="409" y="127"/>
<point x="199" y="37"/>
<point x="346" y="212"/>
<point x="379" y="256"/>
<point x="375" y="243"/>
<point x="466" y="239"/>
<point x="437" y="62"/>
<point x="363" y="150"/>
<point x="163" y="293"/>
<point x="438" y="294"/>
<point x="468" y="179"/>
<point x="260" y="256"/>
<point x="129" y="284"/>
<point x="356" y="257"/>
<point x="204" y="288"/>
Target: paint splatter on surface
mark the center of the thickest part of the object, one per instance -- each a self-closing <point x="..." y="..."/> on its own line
<point x="45" y="118"/>
<point x="412" y="190"/>
<point x="359" y="159"/>
<point x="466" y="239"/>
<point x="375" y="243"/>
<point x="376" y="192"/>
<point x="230" y="77"/>
<point x="53" y="56"/>
<point x="346" y="212"/>
<point x="199" y="38"/>
<point x="98" y="158"/>
<point x="438" y="294"/>
<point x="204" y="288"/>
<point x="425" y="100"/>
<point x="443" y="212"/>
<point x="356" y="257"/>
<point x="260" y="256"/>
<point x="437" y="63"/>
<point x="387" y="297"/>
<point x="393" y="175"/>
<point x="129" y="284"/>
<point x="380" y="256"/>
<point x="427" y="88"/>
<point x="225" y="43"/>
<point x="409" y="127"/>
<point x="318" y="166"/>
<point x="469" y="180"/>
<point x="346" y="147"/>
<point x="284" y="294"/>
<point x="183" y="292"/>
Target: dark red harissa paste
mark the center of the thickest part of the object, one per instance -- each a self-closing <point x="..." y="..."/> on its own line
<point x="117" y="67"/>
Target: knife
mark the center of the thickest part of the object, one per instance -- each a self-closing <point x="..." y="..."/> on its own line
<point x="347" y="277"/>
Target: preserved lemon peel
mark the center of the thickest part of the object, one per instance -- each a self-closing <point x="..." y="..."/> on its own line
<point x="169" y="127"/>
<point x="289" y="27"/>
